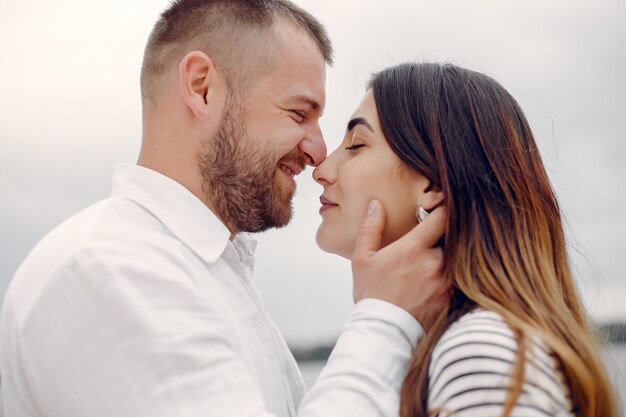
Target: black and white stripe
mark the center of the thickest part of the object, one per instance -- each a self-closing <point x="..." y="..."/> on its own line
<point x="471" y="366"/>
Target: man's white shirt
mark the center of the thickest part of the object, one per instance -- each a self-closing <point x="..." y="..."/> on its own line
<point x="141" y="305"/>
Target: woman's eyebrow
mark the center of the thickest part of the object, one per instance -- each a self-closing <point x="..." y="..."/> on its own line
<point x="359" y="121"/>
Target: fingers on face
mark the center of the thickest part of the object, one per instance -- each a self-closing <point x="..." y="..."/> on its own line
<point x="427" y="233"/>
<point x="370" y="232"/>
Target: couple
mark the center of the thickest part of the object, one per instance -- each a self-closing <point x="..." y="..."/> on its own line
<point x="143" y="304"/>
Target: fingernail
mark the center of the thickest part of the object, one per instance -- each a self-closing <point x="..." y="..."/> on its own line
<point x="371" y="209"/>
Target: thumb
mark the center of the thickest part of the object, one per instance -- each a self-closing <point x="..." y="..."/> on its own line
<point x="426" y="234"/>
<point x="369" y="238"/>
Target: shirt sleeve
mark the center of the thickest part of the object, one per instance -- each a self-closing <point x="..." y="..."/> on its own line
<point x="122" y="337"/>
<point x="366" y="369"/>
<point x="471" y="372"/>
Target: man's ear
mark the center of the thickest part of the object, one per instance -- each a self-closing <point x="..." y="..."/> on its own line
<point x="431" y="197"/>
<point x="199" y="80"/>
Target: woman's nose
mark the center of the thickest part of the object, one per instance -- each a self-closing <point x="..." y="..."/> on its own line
<point x="326" y="172"/>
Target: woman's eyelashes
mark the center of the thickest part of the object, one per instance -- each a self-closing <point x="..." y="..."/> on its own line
<point x="355" y="142"/>
<point x="354" y="147"/>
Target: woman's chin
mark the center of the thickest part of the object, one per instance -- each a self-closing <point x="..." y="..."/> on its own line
<point x="331" y="244"/>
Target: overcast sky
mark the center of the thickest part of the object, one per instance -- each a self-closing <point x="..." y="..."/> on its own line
<point x="70" y="110"/>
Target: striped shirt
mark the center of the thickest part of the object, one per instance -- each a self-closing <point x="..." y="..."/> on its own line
<point x="471" y="368"/>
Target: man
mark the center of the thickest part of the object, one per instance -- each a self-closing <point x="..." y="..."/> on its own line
<point x="142" y="304"/>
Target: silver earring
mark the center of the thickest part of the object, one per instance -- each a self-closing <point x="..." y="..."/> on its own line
<point x="421" y="214"/>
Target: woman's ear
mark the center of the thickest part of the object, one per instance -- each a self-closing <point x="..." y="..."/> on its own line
<point x="431" y="197"/>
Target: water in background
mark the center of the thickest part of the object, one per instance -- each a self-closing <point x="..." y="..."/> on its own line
<point x="614" y="357"/>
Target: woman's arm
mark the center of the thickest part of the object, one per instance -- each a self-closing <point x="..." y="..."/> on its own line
<point x="472" y="366"/>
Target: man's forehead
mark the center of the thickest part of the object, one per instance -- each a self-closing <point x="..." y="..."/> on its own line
<point x="297" y="74"/>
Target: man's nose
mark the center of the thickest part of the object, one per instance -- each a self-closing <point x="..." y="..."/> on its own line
<point x="313" y="146"/>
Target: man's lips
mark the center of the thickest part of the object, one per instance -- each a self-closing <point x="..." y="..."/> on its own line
<point x="292" y="168"/>
<point x="326" y="204"/>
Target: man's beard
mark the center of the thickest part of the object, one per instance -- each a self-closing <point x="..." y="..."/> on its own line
<point x="240" y="180"/>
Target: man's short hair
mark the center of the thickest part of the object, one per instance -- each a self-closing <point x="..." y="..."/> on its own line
<point x="236" y="34"/>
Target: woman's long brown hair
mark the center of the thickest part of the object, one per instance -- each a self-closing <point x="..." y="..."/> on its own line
<point x="504" y="247"/>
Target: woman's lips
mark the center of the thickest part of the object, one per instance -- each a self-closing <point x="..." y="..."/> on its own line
<point x="326" y="204"/>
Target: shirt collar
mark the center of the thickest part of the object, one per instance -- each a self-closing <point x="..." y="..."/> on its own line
<point x="245" y="247"/>
<point x="186" y="216"/>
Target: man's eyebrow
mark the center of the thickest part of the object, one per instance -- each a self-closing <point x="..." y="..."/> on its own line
<point x="359" y="121"/>
<point x="310" y="101"/>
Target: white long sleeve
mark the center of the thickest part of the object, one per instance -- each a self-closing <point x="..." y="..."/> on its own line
<point x="365" y="372"/>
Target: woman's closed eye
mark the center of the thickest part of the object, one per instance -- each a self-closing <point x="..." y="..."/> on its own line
<point x="354" y="147"/>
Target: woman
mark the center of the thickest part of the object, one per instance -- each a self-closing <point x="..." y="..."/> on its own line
<point x="515" y="340"/>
